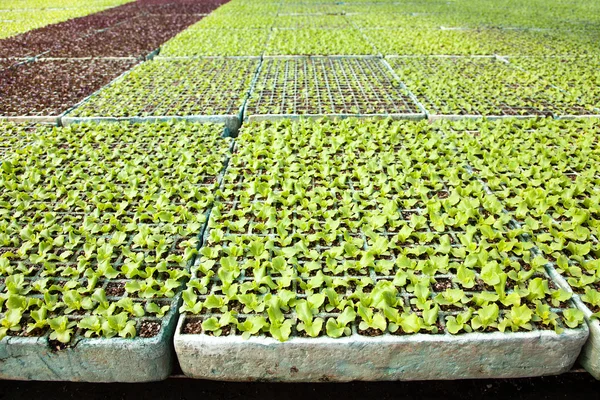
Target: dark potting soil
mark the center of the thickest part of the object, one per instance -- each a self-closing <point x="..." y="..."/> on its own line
<point x="442" y="284"/>
<point x="48" y="88"/>
<point x="192" y="327"/>
<point x="149" y="329"/>
<point x="115" y="289"/>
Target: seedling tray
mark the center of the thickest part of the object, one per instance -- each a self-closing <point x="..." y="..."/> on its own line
<point x="64" y="34"/>
<point x="319" y="41"/>
<point x="590" y="354"/>
<point x="136" y="37"/>
<point x="523" y="95"/>
<point x="331" y="87"/>
<point x="42" y="91"/>
<point x="231" y="121"/>
<point x="92" y="359"/>
<point x="559" y="71"/>
<point x="303" y="292"/>
<point x="383" y="358"/>
<point x="41" y="353"/>
<point x="200" y="90"/>
<point x="564" y="140"/>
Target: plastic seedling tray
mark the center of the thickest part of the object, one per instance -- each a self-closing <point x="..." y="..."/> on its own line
<point x="362" y="357"/>
<point x="584" y="114"/>
<point x="328" y="87"/>
<point x="590" y="354"/>
<point x="92" y="359"/>
<point x="138" y="359"/>
<point x="147" y="357"/>
<point x="40" y="119"/>
<point x="37" y="119"/>
<point x="570" y="117"/>
<point x="387" y="357"/>
<point x="67" y="79"/>
<point x="539" y="106"/>
<point x="231" y="119"/>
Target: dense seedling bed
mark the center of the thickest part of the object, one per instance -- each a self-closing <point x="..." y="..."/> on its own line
<point x="23" y="19"/>
<point x="434" y="41"/>
<point x="483" y="87"/>
<point x="50" y="88"/>
<point x="12" y="138"/>
<point x="211" y="86"/>
<point x="217" y="42"/>
<point x="15" y="22"/>
<point x="547" y="175"/>
<point x="98" y="224"/>
<point x="579" y="76"/>
<point x="185" y="7"/>
<point x="295" y="8"/>
<point x="133" y="38"/>
<point x="229" y="21"/>
<point x="368" y="228"/>
<point x="60" y="35"/>
<point x="43" y="4"/>
<point x="458" y="41"/>
<point x="318" y="86"/>
<point x="386" y="7"/>
<point x="395" y="20"/>
<point x="312" y="21"/>
<point x="537" y="42"/>
<point x="322" y="245"/>
<point x="318" y="41"/>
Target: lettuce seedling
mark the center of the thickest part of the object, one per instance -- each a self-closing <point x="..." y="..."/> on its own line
<point x="573" y="317"/>
<point x="339" y="326"/>
<point x="487" y="316"/>
<point x="312" y="326"/>
<point x="216" y="326"/>
<point x="519" y="317"/>
<point x="252" y="325"/>
<point x="460" y="322"/>
<point x="369" y="319"/>
<point x="62" y="329"/>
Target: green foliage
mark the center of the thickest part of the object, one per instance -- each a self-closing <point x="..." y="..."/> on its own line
<point x="99" y="224"/>
<point x="328" y="228"/>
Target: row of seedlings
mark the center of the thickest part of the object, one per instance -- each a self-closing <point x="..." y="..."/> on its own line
<point x="208" y="89"/>
<point x="520" y="16"/>
<point x="83" y="55"/>
<point x="65" y="34"/>
<point x="360" y="249"/>
<point x="335" y="87"/>
<point x="367" y="29"/>
<point x="464" y="42"/>
<point x="45" y="90"/>
<point x="338" y="86"/>
<point x="547" y="175"/>
<point x="98" y="226"/>
<point x="14" y="21"/>
<point x="471" y="87"/>
<point x="578" y="76"/>
<point x="131" y="30"/>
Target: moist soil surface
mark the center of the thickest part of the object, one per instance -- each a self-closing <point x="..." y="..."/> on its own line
<point x="575" y="385"/>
